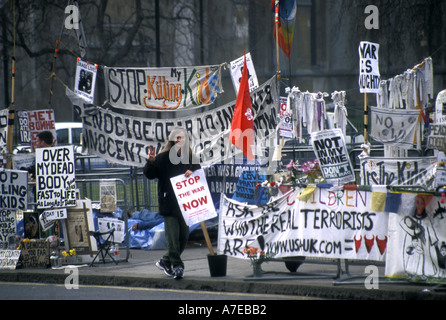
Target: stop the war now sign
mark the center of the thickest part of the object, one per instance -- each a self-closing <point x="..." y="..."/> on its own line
<point x="194" y="197"/>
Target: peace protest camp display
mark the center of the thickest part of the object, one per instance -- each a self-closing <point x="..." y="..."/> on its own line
<point x="346" y="223"/>
<point x="120" y="138"/>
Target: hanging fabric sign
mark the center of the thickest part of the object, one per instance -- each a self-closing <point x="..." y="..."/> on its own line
<point x="123" y="139"/>
<point x="417" y="239"/>
<point x="394" y="127"/>
<point x="398" y="171"/>
<point x="334" y="161"/>
<point x="329" y="224"/>
<point x="162" y="88"/>
<point x="369" y="76"/>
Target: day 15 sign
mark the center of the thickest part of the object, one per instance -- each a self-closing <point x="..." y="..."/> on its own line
<point x="369" y="76"/>
<point x="194" y="197"/>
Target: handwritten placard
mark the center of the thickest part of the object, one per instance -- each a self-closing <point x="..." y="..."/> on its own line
<point x="369" y="76"/>
<point x="55" y="172"/>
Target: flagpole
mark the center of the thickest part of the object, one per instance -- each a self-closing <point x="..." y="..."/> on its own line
<point x="276" y="23"/>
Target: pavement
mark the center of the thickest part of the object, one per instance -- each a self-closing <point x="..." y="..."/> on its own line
<point x="314" y="279"/>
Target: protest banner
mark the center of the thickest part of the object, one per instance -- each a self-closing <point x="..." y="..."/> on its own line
<point x="85" y="82"/>
<point x="194" y="197"/>
<point x="41" y="120"/>
<point x="162" y="88"/>
<point x="124" y="139"/>
<point x="369" y="76"/>
<point x="417" y="239"/>
<point x="236" y="68"/>
<point x="13" y="189"/>
<point x="396" y="171"/>
<point x="55" y="172"/>
<point x="394" y="127"/>
<point x="3" y="130"/>
<point x="8" y="227"/>
<point x="329" y="224"/>
<point x="334" y="161"/>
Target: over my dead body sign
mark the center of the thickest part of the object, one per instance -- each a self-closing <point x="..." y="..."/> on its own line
<point x="329" y="224"/>
<point x="55" y="183"/>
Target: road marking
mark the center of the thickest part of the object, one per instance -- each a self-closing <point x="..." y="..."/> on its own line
<point x="239" y="294"/>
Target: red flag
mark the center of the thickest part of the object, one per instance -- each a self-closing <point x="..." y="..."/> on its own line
<point x="242" y="126"/>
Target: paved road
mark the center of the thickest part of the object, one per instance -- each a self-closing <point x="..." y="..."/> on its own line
<point x="41" y="291"/>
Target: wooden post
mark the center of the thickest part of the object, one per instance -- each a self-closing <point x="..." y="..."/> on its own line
<point x="11" y="110"/>
<point x="366" y="120"/>
<point x="206" y="236"/>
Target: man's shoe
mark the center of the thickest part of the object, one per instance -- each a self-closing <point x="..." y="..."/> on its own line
<point x="167" y="269"/>
<point x="179" y="273"/>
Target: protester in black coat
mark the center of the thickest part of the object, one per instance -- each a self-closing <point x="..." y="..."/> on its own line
<point x="175" y="159"/>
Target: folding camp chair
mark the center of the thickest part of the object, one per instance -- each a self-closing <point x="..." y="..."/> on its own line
<point x="104" y="245"/>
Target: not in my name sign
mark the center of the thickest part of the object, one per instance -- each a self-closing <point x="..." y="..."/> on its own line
<point x="334" y="161"/>
<point x="55" y="184"/>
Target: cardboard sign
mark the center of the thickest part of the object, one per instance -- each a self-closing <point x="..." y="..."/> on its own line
<point x="194" y="197"/>
<point x="369" y="76"/>
<point x="35" y="253"/>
